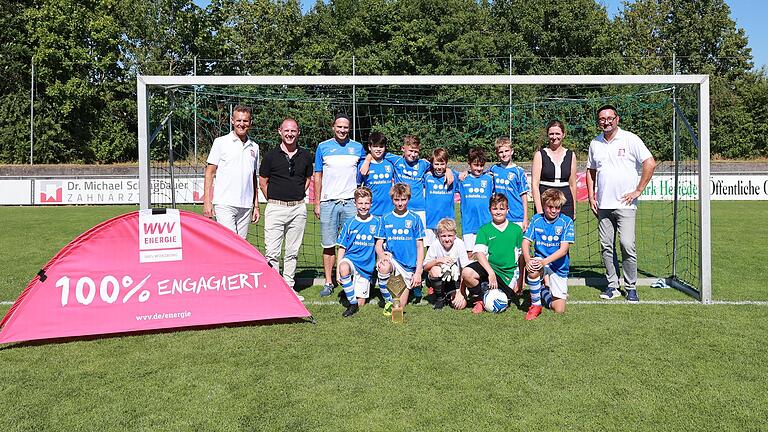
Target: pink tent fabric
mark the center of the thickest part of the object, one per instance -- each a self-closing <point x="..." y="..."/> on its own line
<point x="133" y="273"/>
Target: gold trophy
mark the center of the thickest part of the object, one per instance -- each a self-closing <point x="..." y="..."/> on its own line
<point x="396" y="286"/>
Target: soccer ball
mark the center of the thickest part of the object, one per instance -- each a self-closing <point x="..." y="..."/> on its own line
<point x="495" y="301"/>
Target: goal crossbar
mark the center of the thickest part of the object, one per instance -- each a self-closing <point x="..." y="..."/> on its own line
<point x="144" y="81"/>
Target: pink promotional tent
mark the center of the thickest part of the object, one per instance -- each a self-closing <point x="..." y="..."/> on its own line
<point x="149" y="270"/>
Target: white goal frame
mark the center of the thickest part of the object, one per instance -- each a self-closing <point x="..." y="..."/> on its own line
<point x="705" y="295"/>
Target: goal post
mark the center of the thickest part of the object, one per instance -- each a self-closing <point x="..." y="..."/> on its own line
<point x="703" y="290"/>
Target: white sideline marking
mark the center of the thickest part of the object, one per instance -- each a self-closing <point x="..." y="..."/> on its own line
<point x="574" y="302"/>
<point x="596" y="302"/>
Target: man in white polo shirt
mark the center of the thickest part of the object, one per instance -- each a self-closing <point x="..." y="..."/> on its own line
<point x="335" y="183"/>
<point x="231" y="176"/>
<point x="619" y="166"/>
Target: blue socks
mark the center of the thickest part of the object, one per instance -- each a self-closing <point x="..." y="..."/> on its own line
<point x="534" y="286"/>
<point x="349" y="289"/>
<point x="383" y="279"/>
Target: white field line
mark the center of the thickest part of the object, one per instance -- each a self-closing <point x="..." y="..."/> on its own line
<point x="597" y="302"/>
<point x="574" y="302"/>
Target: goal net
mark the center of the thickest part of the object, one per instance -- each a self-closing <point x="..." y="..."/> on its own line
<point x="180" y="116"/>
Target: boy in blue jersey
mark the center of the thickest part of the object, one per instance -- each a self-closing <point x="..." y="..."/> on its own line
<point x="379" y="174"/>
<point x="475" y="192"/>
<point x="551" y="233"/>
<point x="357" y="252"/>
<point x="402" y="232"/>
<point x="509" y="179"/>
<point x="439" y="194"/>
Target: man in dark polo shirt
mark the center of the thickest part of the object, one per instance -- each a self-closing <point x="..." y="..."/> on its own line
<point x="284" y="178"/>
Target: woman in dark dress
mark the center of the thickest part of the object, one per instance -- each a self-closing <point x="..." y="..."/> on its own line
<point x="554" y="167"/>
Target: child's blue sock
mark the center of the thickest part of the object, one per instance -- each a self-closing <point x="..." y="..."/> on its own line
<point x="546" y="297"/>
<point x="383" y="279"/>
<point x="349" y="289"/>
<point x="534" y="285"/>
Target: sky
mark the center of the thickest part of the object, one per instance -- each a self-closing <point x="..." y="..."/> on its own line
<point x="751" y="15"/>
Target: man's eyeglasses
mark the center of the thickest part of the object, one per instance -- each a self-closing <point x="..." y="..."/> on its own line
<point x="291" y="166"/>
<point x="606" y="119"/>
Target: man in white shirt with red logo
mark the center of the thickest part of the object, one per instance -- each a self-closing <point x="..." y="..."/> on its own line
<point x="231" y="175"/>
<point x="619" y="166"/>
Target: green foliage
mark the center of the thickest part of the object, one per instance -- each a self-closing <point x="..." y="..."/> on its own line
<point x="88" y="52"/>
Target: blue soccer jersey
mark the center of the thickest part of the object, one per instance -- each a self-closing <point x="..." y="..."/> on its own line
<point x="338" y="163"/>
<point x="547" y="236"/>
<point x="511" y="181"/>
<point x="439" y="199"/>
<point x="379" y="180"/>
<point x="475" y="195"/>
<point x="400" y="233"/>
<point x="358" y="238"/>
<point x="411" y="174"/>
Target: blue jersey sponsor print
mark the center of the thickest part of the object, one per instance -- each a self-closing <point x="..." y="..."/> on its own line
<point x="547" y="236"/>
<point x="400" y="233"/>
<point x="379" y="180"/>
<point x="412" y="174"/>
<point x="511" y="181"/>
<point x="439" y="199"/>
<point x="475" y="195"/>
<point x="338" y="163"/>
<point x="358" y="238"/>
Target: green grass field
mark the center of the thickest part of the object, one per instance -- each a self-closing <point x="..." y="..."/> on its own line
<point x="607" y="366"/>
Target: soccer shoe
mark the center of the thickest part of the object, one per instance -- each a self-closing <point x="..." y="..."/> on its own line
<point x="327" y="290"/>
<point x="301" y="297"/>
<point x="632" y="296"/>
<point x="416" y="300"/>
<point x="610" y="293"/>
<point x="533" y="313"/>
<point x="351" y="310"/>
<point x="478" y="307"/>
<point x="439" y="304"/>
<point x="388" y="309"/>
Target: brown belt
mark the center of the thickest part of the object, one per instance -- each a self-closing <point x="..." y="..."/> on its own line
<point x="285" y="203"/>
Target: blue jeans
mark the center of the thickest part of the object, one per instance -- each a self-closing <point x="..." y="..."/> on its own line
<point x="333" y="214"/>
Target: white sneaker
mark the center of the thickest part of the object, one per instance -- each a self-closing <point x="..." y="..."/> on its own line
<point x="301" y="297"/>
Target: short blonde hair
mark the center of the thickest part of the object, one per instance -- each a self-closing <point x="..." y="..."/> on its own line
<point x="411" y="141"/>
<point x="363" y="192"/>
<point x="400" y="190"/>
<point x="502" y="142"/>
<point x="446" y="224"/>
<point x="553" y="197"/>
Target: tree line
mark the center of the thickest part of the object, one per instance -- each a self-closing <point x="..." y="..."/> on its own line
<point x="86" y="54"/>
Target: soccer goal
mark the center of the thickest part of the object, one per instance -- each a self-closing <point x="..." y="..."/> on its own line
<point x="179" y="116"/>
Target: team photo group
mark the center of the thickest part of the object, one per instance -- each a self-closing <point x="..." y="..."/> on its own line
<point x="386" y="215"/>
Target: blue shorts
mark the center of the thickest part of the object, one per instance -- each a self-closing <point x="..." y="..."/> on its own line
<point x="333" y="214"/>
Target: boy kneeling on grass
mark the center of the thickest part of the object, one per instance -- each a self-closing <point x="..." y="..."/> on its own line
<point x="497" y="249"/>
<point x="551" y="234"/>
<point x="444" y="261"/>
<point x="356" y="256"/>
<point x="402" y="233"/>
